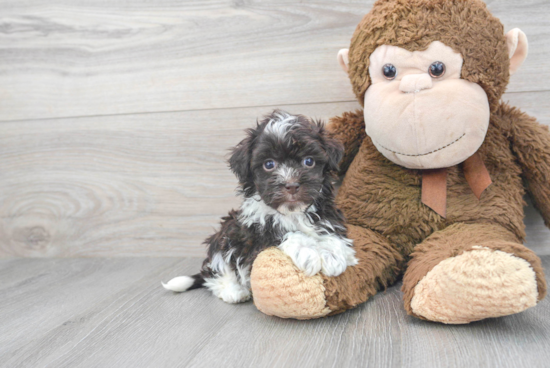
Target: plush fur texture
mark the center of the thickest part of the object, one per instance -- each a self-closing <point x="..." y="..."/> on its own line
<point x="475" y="285"/>
<point x="461" y="238"/>
<point x="458" y="290"/>
<point x="285" y="166"/>
<point x="274" y="273"/>
<point x="394" y="233"/>
<point x="376" y="190"/>
<point x="464" y="25"/>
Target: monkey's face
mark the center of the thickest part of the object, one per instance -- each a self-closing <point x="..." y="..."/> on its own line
<point x="418" y="111"/>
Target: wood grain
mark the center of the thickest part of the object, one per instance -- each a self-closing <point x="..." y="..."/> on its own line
<point x="113" y="312"/>
<point x="62" y="59"/>
<point x="61" y="306"/>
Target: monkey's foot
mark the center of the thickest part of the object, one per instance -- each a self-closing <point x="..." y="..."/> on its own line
<point x="469" y="272"/>
<point x="475" y="285"/>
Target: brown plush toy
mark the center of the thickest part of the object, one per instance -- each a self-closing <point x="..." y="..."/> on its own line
<point x="435" y="170"/>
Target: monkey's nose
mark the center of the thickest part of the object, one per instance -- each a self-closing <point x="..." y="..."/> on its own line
<point x="413" y="83"/>
<point x="292" y="188"/>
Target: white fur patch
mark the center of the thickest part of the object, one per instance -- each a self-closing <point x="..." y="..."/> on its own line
<point x="327" y="253"/>
<point x="280" y="124"/>
<point x="244" y="273"/>
<point x="255" y="211"/>
<point x="227" y="288"/>
<point x="225" y="284"/>
<point x="220" y="263"/>
<point x="179" y="284"/>
<point x="336" y="254"/>
<point x="286" y="210"/>
<point x="312" y="248"/>
<point x="301" y="249"/>
<point x="286" y="174"/>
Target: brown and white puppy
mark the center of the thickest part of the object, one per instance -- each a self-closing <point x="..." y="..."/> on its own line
<point x="285" y="167"/>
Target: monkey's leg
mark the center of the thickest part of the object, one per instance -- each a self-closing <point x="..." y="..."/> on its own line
<point x="280" y="289"/>
<point x="468" y="272"/>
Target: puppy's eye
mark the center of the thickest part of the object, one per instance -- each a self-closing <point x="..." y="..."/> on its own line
<point x="437" y="69"/>
<point x="308" y="162"/>
<point x="270" y="165"/>
<point x="389" y="71"/>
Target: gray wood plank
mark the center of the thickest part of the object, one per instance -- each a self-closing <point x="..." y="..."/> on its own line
<point x="54" y="312"/>
<point x="366" y="336"/>
<point x="52" y="292"/>
<point x="71" y="316"/>
<point x="67" y="58"/>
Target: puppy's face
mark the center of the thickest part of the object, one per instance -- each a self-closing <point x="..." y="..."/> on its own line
<point x="286" y="160"/>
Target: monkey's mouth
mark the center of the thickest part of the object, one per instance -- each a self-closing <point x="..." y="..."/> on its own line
<point x="427" y="153"/>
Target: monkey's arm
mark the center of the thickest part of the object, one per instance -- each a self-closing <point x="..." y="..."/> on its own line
<point x="531" y="144"/>
<point x="350" y="130"/>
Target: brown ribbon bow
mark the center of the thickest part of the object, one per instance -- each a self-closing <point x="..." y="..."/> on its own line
<point x="434" y="183"/>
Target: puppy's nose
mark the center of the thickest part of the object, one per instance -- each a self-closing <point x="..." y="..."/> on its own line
<point x="414" y="83"/>
<point x="292" y="188"/>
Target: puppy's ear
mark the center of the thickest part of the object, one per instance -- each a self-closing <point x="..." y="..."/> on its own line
<point x="241" y="155"/>
<point x="333" y="148"/>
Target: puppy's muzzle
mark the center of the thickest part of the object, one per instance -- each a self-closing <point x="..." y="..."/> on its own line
<point x="292" y="188"/>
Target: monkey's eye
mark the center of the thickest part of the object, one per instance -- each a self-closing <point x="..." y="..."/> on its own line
<point x="308" y="162"/>
<point x="269" y="165"/>
<point x="389" y="71"/>
<point x="437" y="69"/>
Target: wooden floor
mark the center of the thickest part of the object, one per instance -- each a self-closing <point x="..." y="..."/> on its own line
<point x="114" y="313"/>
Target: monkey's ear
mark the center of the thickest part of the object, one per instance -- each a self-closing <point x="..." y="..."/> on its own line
<point x="239" y="162"/>
<point x="517" y="44"/>
<point x="343" y="59"/>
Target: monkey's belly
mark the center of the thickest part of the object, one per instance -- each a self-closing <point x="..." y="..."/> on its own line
<point x="386" y="198"/>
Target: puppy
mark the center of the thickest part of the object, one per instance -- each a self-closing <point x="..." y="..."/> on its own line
<point x="285" y="167"/>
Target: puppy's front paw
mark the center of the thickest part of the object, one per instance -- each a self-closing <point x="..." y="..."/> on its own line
<point x="308" y="261"/>
<point x="336" y="254"/>
<point x="301" y="249"/>
<point x="332" y="264"/>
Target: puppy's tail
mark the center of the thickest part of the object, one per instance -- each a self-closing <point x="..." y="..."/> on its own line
<point x="184" y="283"/>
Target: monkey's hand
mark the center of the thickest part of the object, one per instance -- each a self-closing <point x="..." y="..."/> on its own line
<point x="531" y="145"/>
<point x="350" y="130"/>
<point x="282" y="289"/>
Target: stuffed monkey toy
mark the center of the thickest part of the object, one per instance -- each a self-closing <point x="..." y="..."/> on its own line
<point x="435" y="169"/>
